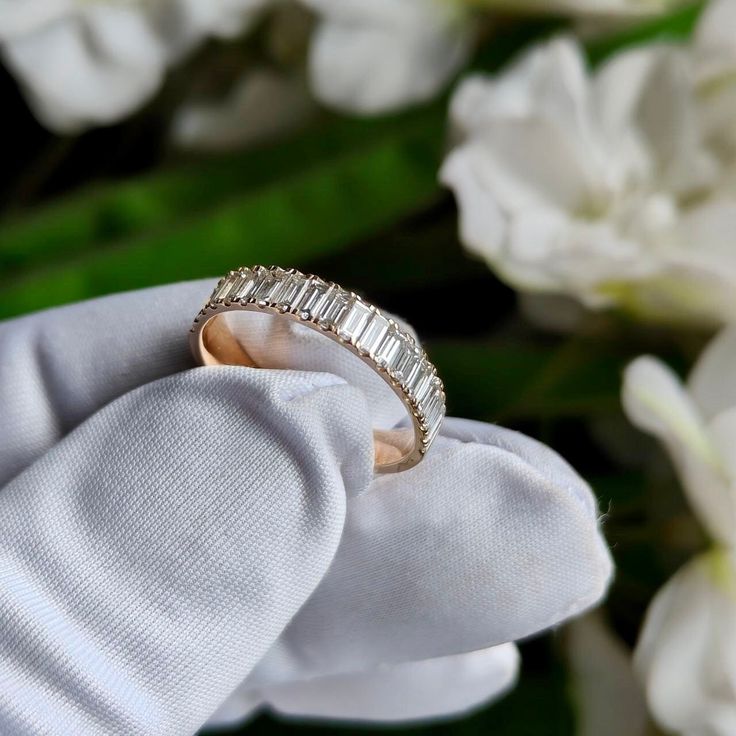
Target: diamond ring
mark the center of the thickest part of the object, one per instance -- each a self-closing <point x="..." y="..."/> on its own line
<point x="342" y="315"/>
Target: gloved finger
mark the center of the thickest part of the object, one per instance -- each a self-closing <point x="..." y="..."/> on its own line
<point x="491" y="538"/>
<point x="282" y="343"/>
<point x="59" y="366"/>
<point x="151" y="557"/>
<point x="409" y="691"/>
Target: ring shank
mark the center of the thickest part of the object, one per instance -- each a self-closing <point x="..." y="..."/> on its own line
<point x="213" y="343"/>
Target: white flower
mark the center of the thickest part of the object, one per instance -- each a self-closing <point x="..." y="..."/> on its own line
<point x="374" y="56"/>
<point x="608" y="186"/>
<point x="714" y="50"/>
<point x="371" y="56"/>
<point x="91" y="62"/>
<point x="697" y="424"/>
<point x="686" y="654"/>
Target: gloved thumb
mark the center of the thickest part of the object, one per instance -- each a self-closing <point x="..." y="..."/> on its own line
<point x="150" y="558"/>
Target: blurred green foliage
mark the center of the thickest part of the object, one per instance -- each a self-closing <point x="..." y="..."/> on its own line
<point x="281" y="204"/>
<point x="510" y="381"/>
<point x="319" y="192"/>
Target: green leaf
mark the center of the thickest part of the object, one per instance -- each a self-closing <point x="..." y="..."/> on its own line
<point x="322" y="209"/>
<point x="675" y="26"/>
<point x="513" y="36"/>
<point x="104" y="214"/>
<point x="209" y="215"/>
<point x="512" y="381"/>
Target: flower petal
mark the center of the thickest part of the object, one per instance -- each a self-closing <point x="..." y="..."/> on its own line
<point x="92" y="63"/>
<point x="88" y="69"/>
<point x="712" y="382"/>
<point x="713" y="41"/>
<point x="483" y="225"/>
<point x="656" y="401"/>
<point x="378" y="56"/>
<point x="27" y="16"/>
<point x="539" y="181"/>
<point x="686" y="653"/>
<point x="223" y="18"/>
<point x="649" y="90"/>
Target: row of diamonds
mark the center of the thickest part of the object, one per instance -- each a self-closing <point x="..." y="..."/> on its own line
<point x="354" y="321"/>
<point x="432" y="411"/>
<point x="308" y="296"/>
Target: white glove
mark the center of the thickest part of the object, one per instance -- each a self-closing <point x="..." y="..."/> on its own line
<point x="167" y="535"/>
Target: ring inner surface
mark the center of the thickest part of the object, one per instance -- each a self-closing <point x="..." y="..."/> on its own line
<point x="262" y="340"/>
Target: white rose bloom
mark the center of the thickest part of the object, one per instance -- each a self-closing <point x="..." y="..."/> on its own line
<point x="91" y="62"/>
<point x="372" y="56"/>
<point x="610" y="186"/>
<point x="686" y="654"/>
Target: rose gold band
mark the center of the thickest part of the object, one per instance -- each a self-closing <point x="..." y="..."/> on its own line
<point x="345" y="318"/>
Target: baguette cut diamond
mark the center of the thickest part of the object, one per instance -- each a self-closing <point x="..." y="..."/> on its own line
<point x="405" y="361"/>
<point x="310" y="298"/>
<point x="399" y="355"/>
<point x="253" y="284"/>
<point x="241" y="286"/>
<point x="388" y="349"/>
<point x="427" y="380"/>
<point x="333" y="306"/>
<point x="282" y="283"/>
<point x="294" y="285"/>
<point x="353" y="323"/>
<point x="372" y="336"/>
<point x="361" y="328"/>
<point x="222" y="289"/>
<point x="433" y="408"/>
<point x="420" y="372"/>
<point x="238" y="282"/>
<point x="411" y="375"/>
<point x="265" y="288"/>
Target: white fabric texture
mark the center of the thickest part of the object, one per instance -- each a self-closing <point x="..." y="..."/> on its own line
<point x="391" y="693"/>
<point x="181" y="545"/>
